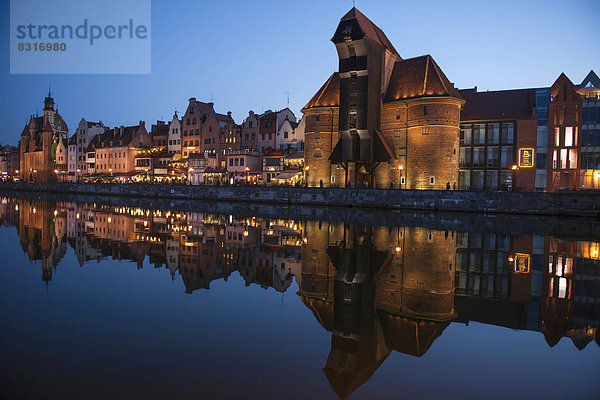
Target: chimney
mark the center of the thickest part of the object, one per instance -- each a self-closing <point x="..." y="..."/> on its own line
<point x="211" y="104"/>
<point x="192" y="99"/>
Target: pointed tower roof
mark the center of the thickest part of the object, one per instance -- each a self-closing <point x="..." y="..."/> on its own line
<point x="590" y="85"/>
<point x="367" y="27"/>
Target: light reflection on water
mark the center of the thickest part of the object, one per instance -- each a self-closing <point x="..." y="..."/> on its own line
<point x="407" y="310"/>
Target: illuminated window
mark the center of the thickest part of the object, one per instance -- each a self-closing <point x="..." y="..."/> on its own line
<point x="562" y="288"/>
<point x="424" y="131"/>
<point x="568" y="136"/>
<point x="563" y="158"/>
<point x="554" y="159"/>
<point x="572" y="159"/>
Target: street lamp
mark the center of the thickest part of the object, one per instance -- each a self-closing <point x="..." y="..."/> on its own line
<point x="111" y="173"/>
<point x="306" y="175"/>
<point x="247" y="169"/>
<point x="401" y="169"/>
<point x="78" y="173"/>
<point x="515" y="168"/>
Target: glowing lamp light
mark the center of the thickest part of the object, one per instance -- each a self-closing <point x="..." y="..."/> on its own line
<point x="514" y="167"/>
<point x="34" y="210"/>
<point x="511" y="259"/>
<point x="398" y="249"/>
<point x="307" y="168"/>
<point x="17" y="207"/>
<point x="77" y="216"/>
<point x="55" y="213"/>
<point x="16" y="171"/>
<point x="246" y="169"/>
<point x="401" y="167"/>
<point x="109" y="220"/>
<point x="56" y="171"/>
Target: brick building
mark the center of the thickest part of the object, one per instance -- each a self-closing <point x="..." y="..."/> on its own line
<point x="565" y="129"/>
<point x="39" y="139"/>
<point x="354" y="138"/>
<point x="205" y="131"/>
<point x="495" y="126"/>
<point x="250" y="132"/>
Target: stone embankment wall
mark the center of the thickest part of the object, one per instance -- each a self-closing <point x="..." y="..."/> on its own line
<point x="585" y="204"/>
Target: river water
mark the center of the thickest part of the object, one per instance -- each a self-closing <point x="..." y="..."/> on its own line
<point x="135" y="301"/>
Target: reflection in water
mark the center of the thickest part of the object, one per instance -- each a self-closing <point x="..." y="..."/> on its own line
<point x="376" y="289"/>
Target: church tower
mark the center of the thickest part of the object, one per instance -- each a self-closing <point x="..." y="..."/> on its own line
<point x="49" y="109"/>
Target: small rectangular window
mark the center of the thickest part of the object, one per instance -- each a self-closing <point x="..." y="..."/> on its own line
<point x="425" y="131"/>
<point x="425" y="110"/>
<point x="432" y="180"/>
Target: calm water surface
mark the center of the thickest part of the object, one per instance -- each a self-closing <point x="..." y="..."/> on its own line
<point x="127" y="302"/>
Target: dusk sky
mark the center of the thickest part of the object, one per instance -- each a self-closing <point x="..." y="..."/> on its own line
<point x="247" y="54"/>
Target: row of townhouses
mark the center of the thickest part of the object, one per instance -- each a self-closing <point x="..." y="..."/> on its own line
<point x="201" y="147"/>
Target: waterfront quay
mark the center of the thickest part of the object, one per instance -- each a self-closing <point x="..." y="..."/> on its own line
<point x="567" y="203"/>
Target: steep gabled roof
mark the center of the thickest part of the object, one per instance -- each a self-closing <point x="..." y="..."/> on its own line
<point x="328" y="95"/>
<point x="591" y="80"/>
<point x="418" y="77"/>
<point x="369" y="29"/>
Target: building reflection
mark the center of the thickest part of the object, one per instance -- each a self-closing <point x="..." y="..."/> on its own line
<point x="376" y="289"/>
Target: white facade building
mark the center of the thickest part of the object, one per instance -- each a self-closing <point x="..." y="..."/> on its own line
<point x="291" y="135"/>
<point x="174" y="143"/>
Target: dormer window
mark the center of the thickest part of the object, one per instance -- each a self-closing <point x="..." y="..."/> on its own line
<point x="347" y="31"/>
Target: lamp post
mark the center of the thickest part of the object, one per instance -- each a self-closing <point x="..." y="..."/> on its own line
<point x="401" y="169"/>
<point x="306" y="175"/>
<point x="515" y="168"/>
<point x="111" y="173"/>
<point x="78" y="173"/>
<point x="247" y="169"/>
<point x="191" y="173"/>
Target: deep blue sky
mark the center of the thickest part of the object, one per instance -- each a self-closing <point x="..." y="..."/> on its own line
<point x="248" y="53"/>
